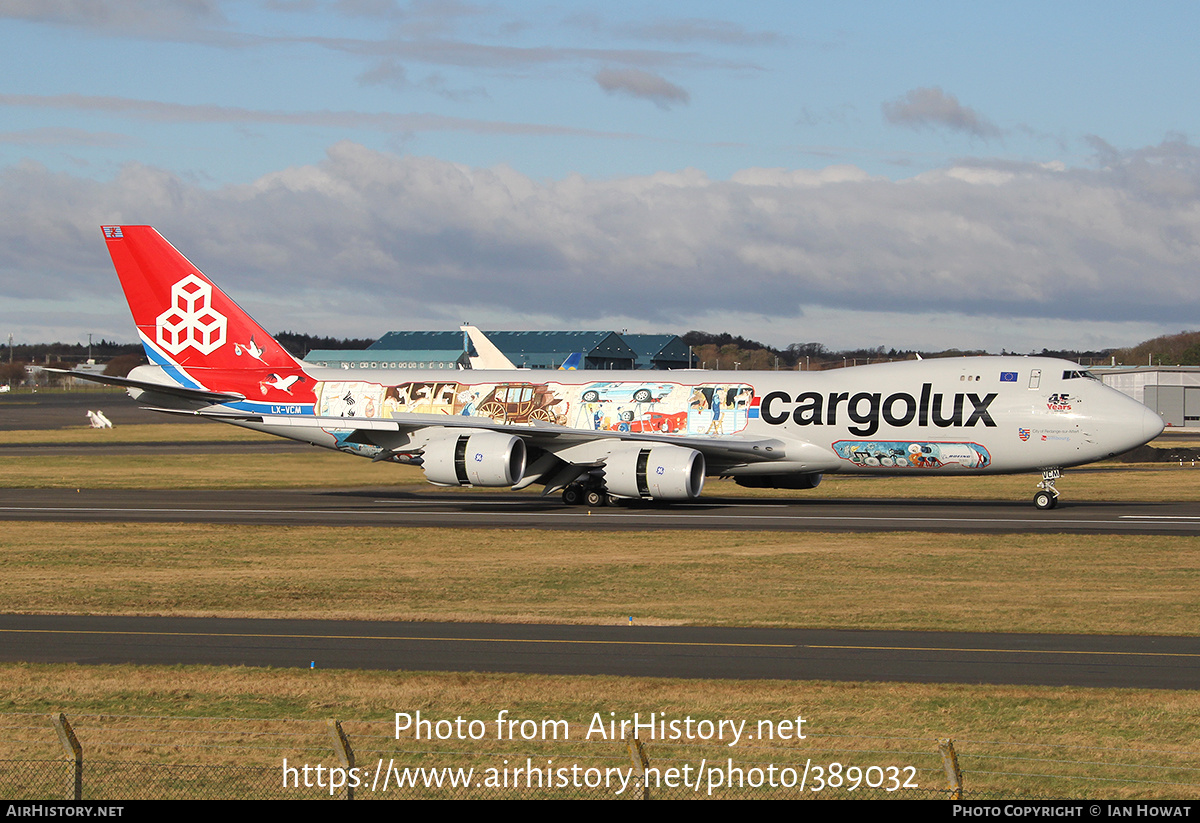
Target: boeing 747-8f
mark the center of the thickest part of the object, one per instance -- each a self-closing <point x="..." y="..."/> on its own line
<point x="601" y="437"/>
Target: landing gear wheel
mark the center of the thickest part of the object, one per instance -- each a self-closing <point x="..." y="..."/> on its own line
<point x="1045" y="500"/>
<point x="572" y="495"/>
<point x="595" y="498"/>
<point x="1046" y="496"/>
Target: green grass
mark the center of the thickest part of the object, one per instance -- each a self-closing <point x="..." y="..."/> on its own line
<point x="193" y="431"/>
<point x="1119" y="584"/>
<point x="1011" y="741"/>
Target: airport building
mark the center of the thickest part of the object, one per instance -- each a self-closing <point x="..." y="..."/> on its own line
<point x="524" y="349"/>
<point x="1172" y="391"/>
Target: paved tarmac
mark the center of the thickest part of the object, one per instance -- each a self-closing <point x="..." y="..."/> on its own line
<point x="743" y="654"/>
<point x="25" y="410"/>
<point x="429" y="507"/>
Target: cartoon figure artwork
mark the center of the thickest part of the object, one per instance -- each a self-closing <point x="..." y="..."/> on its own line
<point x="251" y="348"/>
<point x="719" y="409"/>
<point x="635" y="406"/>
<point x="520" y="403"/>
<point x="283" y="384"/>
<point x="337" y="399"/>
<point x="907" y="455"/>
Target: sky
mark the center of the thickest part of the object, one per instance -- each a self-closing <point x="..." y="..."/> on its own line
<point x="920" y="175"/>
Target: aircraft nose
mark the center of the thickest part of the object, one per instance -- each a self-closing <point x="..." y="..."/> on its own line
<point x="1152" y="426"/>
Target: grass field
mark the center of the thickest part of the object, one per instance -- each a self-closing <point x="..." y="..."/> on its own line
<point x="1119" y="584"/>
<point x="1011" y="741"/>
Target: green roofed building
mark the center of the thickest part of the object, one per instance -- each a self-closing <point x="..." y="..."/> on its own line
<point x="382" y="359"/>
<point x="548" y="349"/>
<point x="524" y="349"/>
<point x="658" y="351"/>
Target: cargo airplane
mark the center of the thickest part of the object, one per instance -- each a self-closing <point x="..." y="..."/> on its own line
<point x="602" y="437"/>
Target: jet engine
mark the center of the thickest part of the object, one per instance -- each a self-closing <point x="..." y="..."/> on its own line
<point x="474" y="458"/>
<point x="655" y="473"/>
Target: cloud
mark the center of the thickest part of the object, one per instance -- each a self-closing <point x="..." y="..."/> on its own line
<point x="170" y="19"/>
<point x="933" y="108"/>
<point x="62" y="136"/>
<point x="158" y="111"/>
<point x="643" y="84"/>
<point x="366" y="241"/>
<point x="699" y="30"/>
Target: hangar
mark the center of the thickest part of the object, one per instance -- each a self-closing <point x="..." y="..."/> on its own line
<point x="1172" y="391"/>
<point x="525" y="349"/>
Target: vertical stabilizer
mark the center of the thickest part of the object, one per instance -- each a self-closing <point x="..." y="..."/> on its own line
<point x="192" y="329"/>
<point x="489" y="357"/>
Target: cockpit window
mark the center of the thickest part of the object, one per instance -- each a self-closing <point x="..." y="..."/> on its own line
<point x="1072" y="375"/>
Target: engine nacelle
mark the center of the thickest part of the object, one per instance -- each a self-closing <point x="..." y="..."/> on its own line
<point x="655" y="473"/>
<point x="779" y="481"/>
<point x="474" y="458"/>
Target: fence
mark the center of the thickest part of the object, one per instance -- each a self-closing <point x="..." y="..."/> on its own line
<point x="110" y="757"/>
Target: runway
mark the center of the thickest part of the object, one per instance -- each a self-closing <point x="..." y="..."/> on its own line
<point x="423" y="506"/>
<point x="686" y="652"/>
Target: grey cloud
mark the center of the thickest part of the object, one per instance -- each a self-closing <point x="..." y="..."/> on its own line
<point x="368" y="8"/>
<point x="643" y="84"/>
<point x="392" y="75"/>
<point x="462" y="53"/>
<point x="143" y="18"/>
<point x="57" y="136"/>
<point x="364" y="239"/>
<point x="387" y="73"/>
<point x="933" y="108"/>
<point x="697" y="30"/>
<point x="158" y="111"/>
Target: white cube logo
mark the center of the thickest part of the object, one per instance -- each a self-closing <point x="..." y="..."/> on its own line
<point x="191" y="320"/>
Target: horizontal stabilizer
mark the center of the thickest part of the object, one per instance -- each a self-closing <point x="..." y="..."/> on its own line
<point x="171" y="389"/>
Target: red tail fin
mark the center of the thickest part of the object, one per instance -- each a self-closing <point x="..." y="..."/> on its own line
<point x="190" y="327"/>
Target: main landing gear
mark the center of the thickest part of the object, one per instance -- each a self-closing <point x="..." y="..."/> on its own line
<point x="594" y="497"/>
<point x="1046" y="496"/>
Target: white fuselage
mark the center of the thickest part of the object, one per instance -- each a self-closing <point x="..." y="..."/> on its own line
<point x="948" y="416"/>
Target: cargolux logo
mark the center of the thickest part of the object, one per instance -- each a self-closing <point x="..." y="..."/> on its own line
<point x="191" y="320"/>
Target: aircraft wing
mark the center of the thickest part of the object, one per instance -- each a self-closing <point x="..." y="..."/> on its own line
<point x="388" y="432"/>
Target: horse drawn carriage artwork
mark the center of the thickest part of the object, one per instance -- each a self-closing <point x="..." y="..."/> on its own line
<point x="521" y="403"/>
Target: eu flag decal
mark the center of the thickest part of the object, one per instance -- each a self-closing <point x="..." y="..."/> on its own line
<point x="1008" y="377"/>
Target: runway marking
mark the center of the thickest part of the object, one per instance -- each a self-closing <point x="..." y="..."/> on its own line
<point x="679" y="643"/>
<point x="1011" y="651"/>
<point x="1159" y="517"/>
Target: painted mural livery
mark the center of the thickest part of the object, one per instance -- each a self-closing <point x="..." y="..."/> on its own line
<point x="634" y="406"/>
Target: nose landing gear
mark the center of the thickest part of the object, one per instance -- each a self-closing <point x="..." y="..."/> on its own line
<point x="1046" y="496"/>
